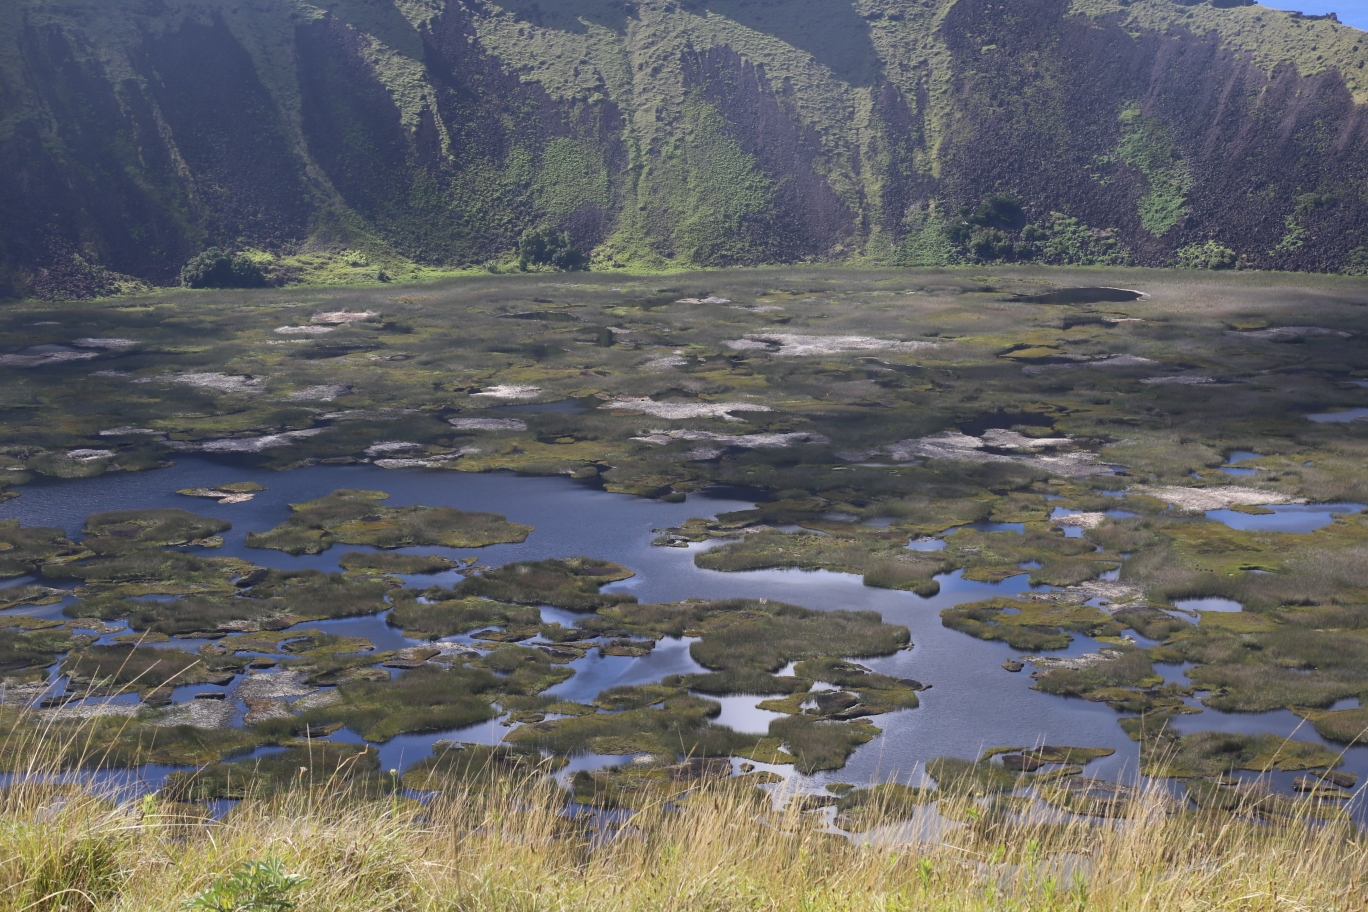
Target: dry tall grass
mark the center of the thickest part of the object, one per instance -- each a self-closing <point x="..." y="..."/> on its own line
<point x="511" y="846"/>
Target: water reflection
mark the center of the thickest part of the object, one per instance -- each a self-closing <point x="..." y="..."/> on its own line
<point x="1298" y="518"/>
<point x="1208" y="604"/>
<point x="974" y="704"/>
<point x="1353" y="414"/>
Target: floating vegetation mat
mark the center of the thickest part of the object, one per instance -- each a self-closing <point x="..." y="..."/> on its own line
<point x="1074" y="434"/>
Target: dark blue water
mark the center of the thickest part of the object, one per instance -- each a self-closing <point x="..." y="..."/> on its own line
<point x="563" y="407"/>
<point x="1299" y="518"/>
<point x="1353" y="414"/>
<point x="973" y="703"/>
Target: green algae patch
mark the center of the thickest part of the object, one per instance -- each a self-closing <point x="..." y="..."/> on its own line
<point x="152" y="571"/>
<point x="343" y="769"/>
<point x="1116" y="674"/>
<point x="641" y="785"/>
<point x="359" y="518"/>
<point x="117" y="742"/>
<point x="475" y="767"/>
<point x="821" y="745"/>
<point x="314" y="595"/>
<point x="870" y="693"/>
<point x="572" y="583"/>
<point x="1236" y="621"/>
<point x="437" y="618"/>
<point x="1214" y="754"/>
<point x="995" y="556"/>
<point x="1152" y="623"/>
<point x="673" y="723"/>
<point x="1030" y="624"/>
<point x="233" y="493"/>
<point x="14" y="596"/>
<point x="523" y="670"/>
<point x="134" y="668"/>
<point x="27" y="624"/>
<point x="1309" y="660"/>
<point x="747" y="634"/>
<point x="121" y="531"/>
<point x="862" y="809"/>
<point x="879" y="557"/>
<point x="1097" y="797"/>
<point x="428" y="698"/>
<point x="954" y="776"/>
<point x="1344" y="726"/>
<point x="1258" y="801"/>
<point x="1058" y="754"/>
<point x="23" y="549"/>
<point x="25" y="653"/>
<point x="402" y="564"/>
<point x="202" y="614"/>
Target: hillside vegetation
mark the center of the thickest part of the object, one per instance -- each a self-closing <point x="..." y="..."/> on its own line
<point x="371" y="140"/>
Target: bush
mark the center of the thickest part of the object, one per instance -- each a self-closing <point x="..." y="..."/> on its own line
<point x="1357" y="264"/>
<point x="989" y="232"/>
<point x="257" y="886"/>
<point x="215" y="268"/>
<point x="1211" y="255"/>
<point x="548" y="247"/>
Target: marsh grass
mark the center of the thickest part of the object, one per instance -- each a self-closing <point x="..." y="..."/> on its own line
<point x="359" y="518"/>
<point x="499" y="836"/>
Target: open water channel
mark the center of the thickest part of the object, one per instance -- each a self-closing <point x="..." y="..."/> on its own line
<point x="973" y="703"/>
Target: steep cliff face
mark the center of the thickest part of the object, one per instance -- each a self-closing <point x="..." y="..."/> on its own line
<point x="135" y="133"/>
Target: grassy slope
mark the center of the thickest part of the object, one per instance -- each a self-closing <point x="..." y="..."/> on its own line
<point x="1270" y="37"/>
<point x="476" y="849"/>
<point x="828" y="62"/>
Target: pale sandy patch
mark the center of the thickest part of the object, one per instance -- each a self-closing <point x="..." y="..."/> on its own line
<point x="1075" y="663"/>
<point x="510" y="391"/>
<point x="487" y="424"/>
<point x="316" y="701"/>
<point x="225" y="383"/>
<point x="312" y="330"/>
<point x="344" y="317"/>
<point x="796" y="345"/>
<point x="223" y="497"/>
<point x="384" y="414"/>
<point x="392" y="446"/>
<point x="84" y="455"/>
<point x="45" y="358"/>
<point x="1291" y="332"/>
<point x="1002" y="439"/>
<point x="1216" y="498"/>
<point x="1081" y="520"/>
<point x="91" y="709"/>
<point x="678" y="410"/>
<point x="952" y="444"/>
<point x="748" y="441"/>
<point x="254" y="444"/>
<point x="665" y="362"/>
<point x="428" y="462"/>
<point x="1179" y="380"/>
<point x="273" y="685"/>
<point x="324" y="393"/>
<point x="199" y="713"/>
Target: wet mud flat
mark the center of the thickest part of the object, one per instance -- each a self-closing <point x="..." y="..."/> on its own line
<point x="839" y="529"/>
<point x="965" y="673"/>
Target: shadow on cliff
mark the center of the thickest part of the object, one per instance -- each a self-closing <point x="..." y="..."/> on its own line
<point x="573" y="15"/>
<point x="832" y="31"/>
<point x="381" y="19"/>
